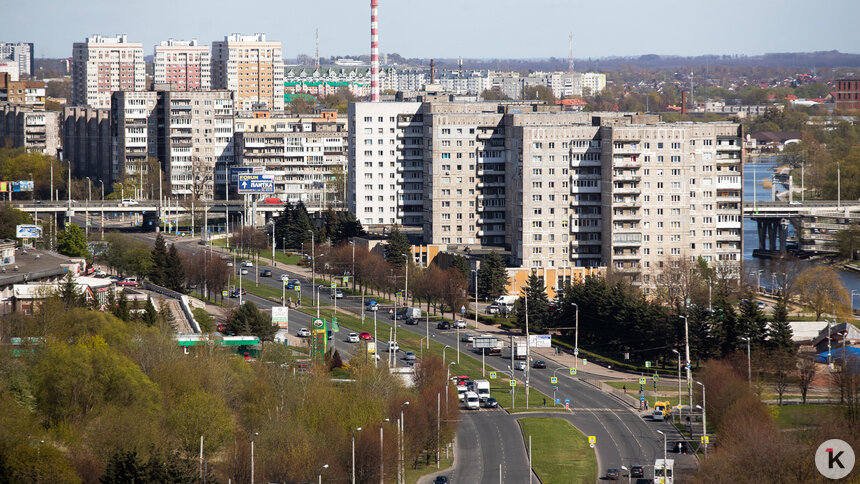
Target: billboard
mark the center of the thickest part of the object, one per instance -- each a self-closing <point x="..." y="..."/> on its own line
<point x="252" y="183"/>
<point x="235" y="171"/>
<point x="280" y="316"/>
<point x="16" y="186"/>
<point x="28" y="231"/>
<point x="479" y="342"/>
<point x="540" y="341"/>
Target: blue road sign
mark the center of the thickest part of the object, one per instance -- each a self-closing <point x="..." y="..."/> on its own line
<point x="557" y="401"/>
<point x="642" y="398"/>
<point x="255" y="184"/>
<point x="566" y="400"/>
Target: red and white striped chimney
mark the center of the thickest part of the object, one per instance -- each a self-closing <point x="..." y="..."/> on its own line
<point x="374" y="51"/>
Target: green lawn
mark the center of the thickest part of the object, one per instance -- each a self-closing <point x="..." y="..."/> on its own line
<point x="794" y="416"/>
<point x="560" y="452"/>
<point x="412" y="475"/>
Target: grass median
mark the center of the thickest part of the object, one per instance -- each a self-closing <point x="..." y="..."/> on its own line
<point x="560" y="452"/>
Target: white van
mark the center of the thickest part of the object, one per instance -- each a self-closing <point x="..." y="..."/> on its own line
<point x="461" y="392"/>
<point x="129" y="201"/>
<point x="472" y="401"/>
<point x="483" y="389"/>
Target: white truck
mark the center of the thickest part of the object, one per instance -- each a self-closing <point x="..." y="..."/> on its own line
<point x="413" y="313"/>
<point x="664" y="471"/>
<point x="482" y="388"/>
<point x="519" y="350"/>
<point x="472" y="401"/>
<point x="506" y="303"/>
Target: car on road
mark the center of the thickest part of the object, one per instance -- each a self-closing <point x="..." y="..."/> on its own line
<point x="229" y="264"/>
<point x="539" y="364"/>
<point x="409" y="356"/>
<point x="353" y="338"/>
<point x="443" y="325"/>
<point x="247" y="263"/>
<point x="466" y="337"/>
<point x="285" y="277"/>
<point x="460" y="323"/>
<point x="371" y="305"/>
<point x="266" y="273"/>
<point x="129" y="201"/>
<point x="242" y="271"/>
<point x="128" y="281"/>
<point x="760" y="304"/>
<point x="303" y="332"/>
<point x="441" y="480"/>
<point x="612" y="474"/>
<point x="520" y="365"/>
<point x="235" y="292"/>
<point x="794" y="202"/>
<point x="491" y="403"/>
<point x="493" y="309"/>
<point x="100" y="274"/>
<point x="336" y="294"/>
<point x="392" y="347"/>
<point x="637" y="471"/>
<point x="364" y="335"/>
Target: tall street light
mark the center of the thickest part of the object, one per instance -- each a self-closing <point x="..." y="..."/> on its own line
<point x="447" y="384"/>
<point x="319" y="473"/>
<point x="358" y="429"/>
<point x="576" y="336"/>
<point x="679" y="381"/>
<point x="252" y="456"/>
<point x="704" y="415"/>
<point x="749" y="361"/>
<point x="687" y="350"/>
<point x="382" y="453"/>
<point x="400" y="476"/>
<point x="313" y="271"/>
<point x="664" y="455"/>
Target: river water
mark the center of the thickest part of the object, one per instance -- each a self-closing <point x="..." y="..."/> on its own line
<point x="761" y="171"/>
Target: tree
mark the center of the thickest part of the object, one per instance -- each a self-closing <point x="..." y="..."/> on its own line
<point x="42" y="464"/>
<point x="820" y="288"/>
<point x="538" y="305"/>
<point x="453" y="289"/>
<point x="398" y="248"/>
<point x="160" y="264"/>
<point x="492" y="276"/>
<point x="780" y="331"/>
<point x="806" y="373"/>
<point x="248" y="320"/>
<point x="293" y="226"/>
<point x="494" y="94"/>
<point x="150" y="314"/>
<point x="540" y="93"/>
<point x="462" y="265"/>
<point x="201" y="413"/>
<point x="121" y="310"/>
<point x="782" y="363"/>
<point x="755" y="320"/>
<point x="72" y="242"/>
<point x="71" y="295"/>
<point x="9" y="218"/>
<point x="174" y="272"/>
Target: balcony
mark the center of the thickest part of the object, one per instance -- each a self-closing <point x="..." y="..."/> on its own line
<point x="627" y="239"/>
<point x="626" y="257"/>
<point x="630" y="203"/>
<point x="627" y="190"/>
<point x="729" y="225"/>
<point x="625" y="178"/>
<point x="628" y="149"/>
<point x="627" y="215"/>
<point x="626" y="163"/>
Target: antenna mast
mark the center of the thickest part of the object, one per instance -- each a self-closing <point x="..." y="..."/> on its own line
<point x="318" y="48"/>
<point x="570" y="56"/>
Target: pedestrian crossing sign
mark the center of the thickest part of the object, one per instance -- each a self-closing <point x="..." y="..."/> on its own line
<point x="641" y="381"/>
<point x="492" y="375"/>
<point x="706" y="439"/>
<point x="592" y="439"/>
<point x="573" y="371"/>
<point x="647" y="364"/>
<point x="513" y="383"/>
<point x="584" y="362"/>
<point x="553" y="380"/>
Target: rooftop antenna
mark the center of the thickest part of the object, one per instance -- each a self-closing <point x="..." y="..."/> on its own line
<point x="374" y="51"/>
<point x="570" y="56"/>
<point x="317" y="56"/>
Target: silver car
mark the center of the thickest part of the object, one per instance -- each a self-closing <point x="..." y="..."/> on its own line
<point x="409" y="356"/>
<point x="353" y="338"/>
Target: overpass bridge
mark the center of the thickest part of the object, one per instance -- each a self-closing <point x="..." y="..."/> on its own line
<point x="817" y="224"/>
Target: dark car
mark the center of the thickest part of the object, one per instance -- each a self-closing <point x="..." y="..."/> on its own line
<point x="411" y="321"/>
<point x="443" y="325"/>
<point x="441" y="480"/>
<point x="613" y="474"/>
<point x="491" y="403"/>
<point x="637" y="471"/>
<point x="539" y="364"/>
<point x="266" y="273"/>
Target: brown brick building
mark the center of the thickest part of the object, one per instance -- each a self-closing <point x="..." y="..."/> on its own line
<point x="848" y="94"/>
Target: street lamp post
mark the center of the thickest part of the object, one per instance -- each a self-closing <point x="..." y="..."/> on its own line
<point x="447" y="383"/>
<point x="576" y="336"/>
<point x="353" y="450"/>
<point x="313" y="270"/>
<point x="749" y="361"/>
<point x="664" y="455"/>
<point x="760" y="272"/>
<point x="704" y="416"/>
<point x="382" y="453"/>
<point x="319" y="473"/>
<point x="679" y="382"/>
<point x="400" y="476"/>
<point x="252" y="456"/>
<point x="103" y="208"/>
<point x="687" y="351"/>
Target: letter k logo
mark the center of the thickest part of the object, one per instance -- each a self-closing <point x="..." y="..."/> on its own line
<point x="834" y="459"/>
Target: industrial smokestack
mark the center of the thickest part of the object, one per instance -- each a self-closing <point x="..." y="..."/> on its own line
<point x="683" y="102"/>
<point x="374" y="51"/>
<point x="432" y="71"/>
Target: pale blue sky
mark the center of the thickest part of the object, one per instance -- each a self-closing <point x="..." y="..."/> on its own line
<point x="452" y="28"/>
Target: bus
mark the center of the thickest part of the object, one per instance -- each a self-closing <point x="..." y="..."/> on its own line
<point x="664" y="471"/>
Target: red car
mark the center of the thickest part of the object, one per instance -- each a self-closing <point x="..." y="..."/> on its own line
<point x="365" y="336"/>
<point x="128" y="281"/>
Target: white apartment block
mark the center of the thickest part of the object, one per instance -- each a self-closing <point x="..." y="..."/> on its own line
<point x="29" y="128"/>
<point x="190" y="133"/>
<point x="19" y="54"/>
<point x="306" y="156"/>
<point x="592" y="83"/>
<point x="386" y="163"/>
<point x="102" y="65"/>
<point x="252" y="68"/>
<point x="183" y="64"/>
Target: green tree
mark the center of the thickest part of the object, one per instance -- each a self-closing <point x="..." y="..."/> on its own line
<point x="494" y="94"/>
<point x="38" y="464"/>
<point x="780" y="331"/>
<point x="174" y="272"/>
<point x="293" y="227"/>
<point x="160" y="264"/>
<point x="72" y="242"/>
<point x="492" y="276"/>
<point x="341" y="225"/>
<point x="201" y="413"/>
<point x="70" y="294"/>
<point x="540" y="93"/>
<point x="462" y="265"/>
<point x="204" y="319"/>
<point x="755" y="320"/>
<point x="248" y="320"/>
<point x="129" y="467"/>
<point x="9" y="218"/>
<point x="150" y="314"/>
<point x="820" y="288"/>
<point x="121" y="310"/>
<point x="538" y="306"/>
<point x="398" y="248"/>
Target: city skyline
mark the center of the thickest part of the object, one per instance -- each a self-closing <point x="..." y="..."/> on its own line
<point x="751" y="29"/>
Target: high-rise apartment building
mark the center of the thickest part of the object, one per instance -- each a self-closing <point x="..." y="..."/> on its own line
<point x="305" y="156"/>
<point x="556" y="188"/>
<point x="190" y="134"/>
<point x="29" y="128"/>
<point x="252" y="68"/>
<point x="21" y="54"/>
<point x="102" y="65"/>
<point x="183" y="64"/>
<point x="31" y="93"/>
<point x="87" y="143"/>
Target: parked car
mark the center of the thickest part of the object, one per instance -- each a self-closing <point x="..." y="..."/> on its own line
<point x="303" y="332"/>
<point x="612" y="474"/>
<point x="364" y="335"/>
<point x="493" y="309"/>
<point x="100" y="274"/>
<point x="637" y="471"/>
<point x="520" y="365"/>
<point x="539" y="364"/>
<point x="129" y="281"/>
<point x="491" y="403"/>
<point x="460" y="323"/>
<point x="443" y="325"/>
<point x="409" y="356"/>
<point x="353" y="338"/>
<point x="266" y="273"/>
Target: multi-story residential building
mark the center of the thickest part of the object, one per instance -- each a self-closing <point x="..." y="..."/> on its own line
<point x="102" y="65"/>
<point x="189" y="133"/>
<point x="386" y="153"/>
<point x="591" y="83"/>
<point x="848" y="94"/>
<point x="87" y="143"/>
<point x="556" y="189"/>
<point x="10" y="69"/>
<point x="252" y="68"/>
<point x="183" y="64"/>
<point x="306" y="156"/>
<point x="29" y="128"/>
<point x="31" y="93"/>
<point x="20" y="53"/>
